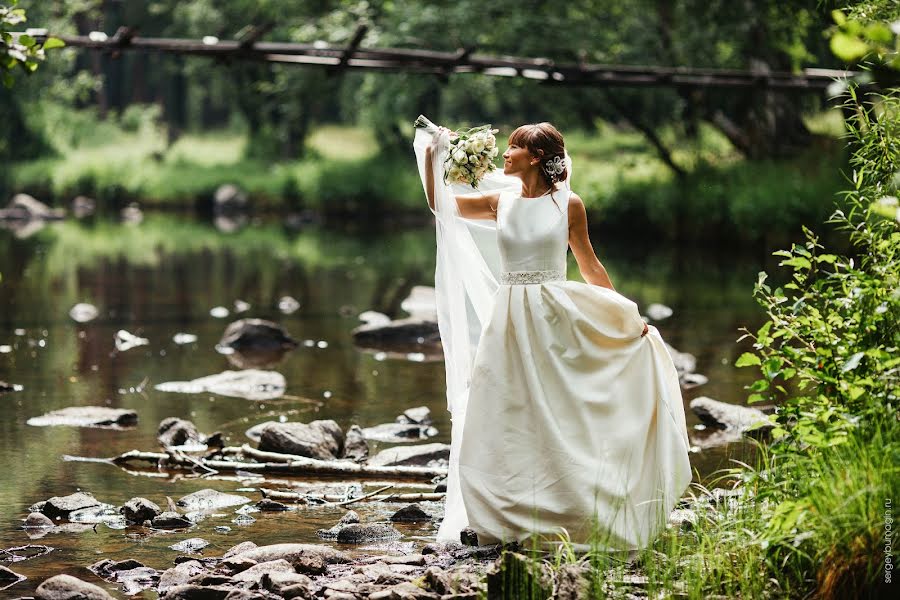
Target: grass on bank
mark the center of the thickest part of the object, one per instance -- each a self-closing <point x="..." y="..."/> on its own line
<point x="824" y="537"/>
<point x="623" y="182"/>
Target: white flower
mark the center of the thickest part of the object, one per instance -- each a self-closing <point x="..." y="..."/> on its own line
<point x="460" y="156"/>
<point x="478" y="145"/>
<point x="494" y="152"/>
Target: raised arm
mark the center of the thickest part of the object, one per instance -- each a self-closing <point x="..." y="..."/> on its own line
<point x="471" y="206"/>
<point x="590" y="266"/>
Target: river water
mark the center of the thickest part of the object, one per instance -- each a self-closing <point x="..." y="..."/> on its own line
<point x="163" y="277"/>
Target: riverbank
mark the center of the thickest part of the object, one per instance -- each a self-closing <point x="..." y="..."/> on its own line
<point x="623" y="182"/>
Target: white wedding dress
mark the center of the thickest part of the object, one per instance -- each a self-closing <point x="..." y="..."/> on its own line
<point x="566" y="421"/>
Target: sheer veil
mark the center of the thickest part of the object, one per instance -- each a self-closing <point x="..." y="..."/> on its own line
<point x="466" y="275"/>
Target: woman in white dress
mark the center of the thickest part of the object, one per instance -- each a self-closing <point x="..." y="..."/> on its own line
<point x="566" y="407"/>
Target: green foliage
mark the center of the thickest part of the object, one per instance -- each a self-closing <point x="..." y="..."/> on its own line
<point x="828" y="353"/>
<point x="23" y="50"/>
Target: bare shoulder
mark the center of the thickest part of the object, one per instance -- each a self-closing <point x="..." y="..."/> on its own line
<point x="576" y="208"/>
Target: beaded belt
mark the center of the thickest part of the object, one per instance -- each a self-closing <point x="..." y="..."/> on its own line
<point x="526" y="277"/>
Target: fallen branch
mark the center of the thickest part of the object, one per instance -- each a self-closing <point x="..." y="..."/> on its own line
<point x="284" y="464"/>
<point x="336" y="498"/>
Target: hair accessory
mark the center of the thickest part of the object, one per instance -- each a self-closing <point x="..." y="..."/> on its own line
<point x="555" y="166"/>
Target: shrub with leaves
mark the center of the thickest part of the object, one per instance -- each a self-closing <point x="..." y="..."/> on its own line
<point x="23" y="50"/>
<point x="829" y="354"/>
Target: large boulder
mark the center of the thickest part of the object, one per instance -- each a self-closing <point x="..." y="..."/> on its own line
<point x="66" y="587"/>
<point x="323" y="440"/>
<point x="173" y="431"/>
<point x="256" y="334"/>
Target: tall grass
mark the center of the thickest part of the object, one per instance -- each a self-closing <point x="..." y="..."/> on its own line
<point x="623" y="182"/>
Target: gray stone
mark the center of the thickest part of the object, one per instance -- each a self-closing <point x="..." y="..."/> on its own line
<point x="728" y="416"/>
<point x="256" y="334"/>
<point x="205" y="500"/>
<point x="131" y="574"/>
<point x="173" y="431"/>
<point x="411" y="513"/>
<point x="171" y="520"/>
<point x="251" y="384"/>
<point x="37" y="520"/>
<point x="138" y="510"/>
<point x="269" y="505"/>
<point x="190" y="545"/>
<point x="658" y="312"/>
<point x="83" y="312"/>
<point x="362" y="534"/>
<point x="9" y="578"/>
<point x="573" y="583"/>
<point x="125" y="340"/>
<point x="197" y="592"/>
<point x="355" y="445"/>
<point x="421" y="455"/>
<point x="419" y="415"/>
<point x="66" y="587"/>
<point x="404" y="591"/>
<point x="460" y="580"/>
<point x="322" y="440"/>
<point x="255" y="573"/>
<point x="179" y="575"/>
<point x="692" y="380"/>
<point x="239" y="548"/>
<point x="82" y="206"/>
<point x="306" y="558"/>
<point x="86" y="416"/>
<point x="23" y="207"/>
<point x="229" y="198"/>
<point x="62" y="506"/>
<point x="331" y="534"/>
<point x="398" y="432"/>
<point x="402" y="335"/>
<point x="279" y="582"/>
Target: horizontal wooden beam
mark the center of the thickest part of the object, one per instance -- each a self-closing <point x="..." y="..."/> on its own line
<point x="444" y="63"/>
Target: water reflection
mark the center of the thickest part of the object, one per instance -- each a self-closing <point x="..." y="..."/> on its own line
<point x="161" y="278"/>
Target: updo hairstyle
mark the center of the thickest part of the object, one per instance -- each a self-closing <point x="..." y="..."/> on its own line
<point x="544" y="141"/>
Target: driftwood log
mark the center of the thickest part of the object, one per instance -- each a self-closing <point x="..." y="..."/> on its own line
<point x="296" y="497"/>
<point x="272" y="462"/>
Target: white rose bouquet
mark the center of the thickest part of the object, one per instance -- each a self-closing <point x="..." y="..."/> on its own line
<point x="471" y="154"/>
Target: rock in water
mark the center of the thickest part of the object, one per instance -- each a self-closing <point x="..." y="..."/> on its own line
<point x="37" y="520"/>
<point x="66" y="587"/>
<point x="171" y="520"/>
<point x="126" y="341"/>
<point x="658" y="312"/>
<point x="84" y="312"/>
<point x="251" y="384"/>
<point x="421" y="303"/>
<point x="229" y="198"/>
<point x="731" y="417"/>
<point x="419" y="415"/>
<point x="355" y="446"/>
<point x="87" y="416"/>
<point x="25" y="208"/>
<point x="138" y="510"/>
<point x="173" y="431"/>
<point x="363" y="534"/>
<point x="323" y="440"/>
<point x="9" y="578"/>
<point x="205" y="500"/>
<point x="256" y="334"/>
<point x="62" y="506"/>
<point x="417" y="456"/>
<point x="190" y="546"/>
<point x="411" y="514"/>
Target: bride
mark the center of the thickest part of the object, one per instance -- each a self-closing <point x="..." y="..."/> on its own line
<point x="567" y="417"/>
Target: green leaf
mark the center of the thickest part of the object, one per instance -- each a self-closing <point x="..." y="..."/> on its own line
<point x="27" y="41"/>
<point x="8" y="79"/>
<point x="52" y="42"/>
<point x="879" y="33"/>
<point x="838" y="17"/>
<point x="852" y="362"/>
<point x="747" y="359"/>
<point x="848" y="48"/>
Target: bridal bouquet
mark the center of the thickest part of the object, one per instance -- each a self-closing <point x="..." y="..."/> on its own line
<point x="471" y="154"/>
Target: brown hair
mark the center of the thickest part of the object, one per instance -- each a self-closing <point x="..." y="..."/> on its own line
<point x="544" y="141"/>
